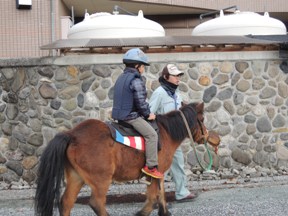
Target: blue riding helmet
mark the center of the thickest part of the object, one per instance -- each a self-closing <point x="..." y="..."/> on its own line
<point x="134" y="56"/>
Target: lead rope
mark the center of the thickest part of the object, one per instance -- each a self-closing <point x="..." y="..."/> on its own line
<point x="194" y="148"/>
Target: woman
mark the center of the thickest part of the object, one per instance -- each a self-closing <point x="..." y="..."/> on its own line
<point x="165" y="99"/>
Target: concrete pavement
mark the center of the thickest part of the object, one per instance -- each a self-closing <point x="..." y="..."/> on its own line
<point x="256" y="196"/>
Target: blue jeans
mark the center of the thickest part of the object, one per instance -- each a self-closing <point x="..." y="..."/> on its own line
<point x="178" y="175"/>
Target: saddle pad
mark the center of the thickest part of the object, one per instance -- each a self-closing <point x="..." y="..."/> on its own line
<point x="132" y="141"/>
<point x="136" y="142"/>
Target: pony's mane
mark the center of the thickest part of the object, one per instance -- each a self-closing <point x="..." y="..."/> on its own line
<point x="173" y="122"/>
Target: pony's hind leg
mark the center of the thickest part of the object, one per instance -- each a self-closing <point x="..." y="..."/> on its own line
<point x="98" y="197"/>
<point x="74" y="184"/>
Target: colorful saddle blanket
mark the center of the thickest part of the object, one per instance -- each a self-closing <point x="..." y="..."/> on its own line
<point x="127" y="136"/>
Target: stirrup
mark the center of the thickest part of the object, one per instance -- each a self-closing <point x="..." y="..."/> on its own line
<point x="145" y="179"/>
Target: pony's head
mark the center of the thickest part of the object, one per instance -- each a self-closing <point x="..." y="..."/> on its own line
<point x="200" y="133"/>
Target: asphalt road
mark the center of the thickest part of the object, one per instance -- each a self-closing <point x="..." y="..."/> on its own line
<point x="269" y="198"/>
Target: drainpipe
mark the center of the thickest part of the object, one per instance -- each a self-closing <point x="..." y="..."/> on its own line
<point x="52" y="10"/>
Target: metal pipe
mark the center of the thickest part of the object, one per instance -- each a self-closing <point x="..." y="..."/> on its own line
<point x="117" y="8"/>
<point x="72" y="14"/>
<point x="52" y="9"/>
<point x="216" y="12"/>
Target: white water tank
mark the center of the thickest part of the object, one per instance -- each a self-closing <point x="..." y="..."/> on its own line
<point x="241" y="23"/>
<point x="106" y="25"/>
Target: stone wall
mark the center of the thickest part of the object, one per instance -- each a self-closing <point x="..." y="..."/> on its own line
<point x="245" y="102"/>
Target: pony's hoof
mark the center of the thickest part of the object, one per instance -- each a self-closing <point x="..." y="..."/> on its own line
<point x="139" y="214"/>
<point x="155" y="206"/>
<point x="164" y="214"/>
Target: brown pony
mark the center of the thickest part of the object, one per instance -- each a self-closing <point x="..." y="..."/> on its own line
<point x="87" y="154"/>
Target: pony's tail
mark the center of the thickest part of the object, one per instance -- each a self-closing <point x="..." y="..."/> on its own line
<point x="50" y="175"/>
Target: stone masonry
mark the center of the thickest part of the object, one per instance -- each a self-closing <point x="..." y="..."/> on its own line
<point x="246" y="102"/>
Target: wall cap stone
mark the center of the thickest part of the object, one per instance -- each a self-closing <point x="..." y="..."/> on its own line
<point x="153" y="58"/>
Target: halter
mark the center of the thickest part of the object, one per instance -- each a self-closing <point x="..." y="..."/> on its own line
<point x="192" y="141"/>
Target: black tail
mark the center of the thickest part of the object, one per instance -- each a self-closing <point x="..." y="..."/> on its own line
<point x="50" y="175"/>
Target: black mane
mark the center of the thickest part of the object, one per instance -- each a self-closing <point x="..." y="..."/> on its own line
<point x="173" y="122"/>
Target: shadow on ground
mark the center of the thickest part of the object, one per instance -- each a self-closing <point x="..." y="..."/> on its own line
<point x="126" y="198"/>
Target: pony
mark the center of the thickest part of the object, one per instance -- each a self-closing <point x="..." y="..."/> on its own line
<point x="87" y="154"/>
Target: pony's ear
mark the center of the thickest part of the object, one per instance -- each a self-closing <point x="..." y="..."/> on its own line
<point x="200" y="107"/>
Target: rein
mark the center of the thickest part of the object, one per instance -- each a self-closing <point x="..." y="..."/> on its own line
<point x="194" y="147"/>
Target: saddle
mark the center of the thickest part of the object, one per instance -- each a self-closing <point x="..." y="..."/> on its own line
<point x="125" y="133"/>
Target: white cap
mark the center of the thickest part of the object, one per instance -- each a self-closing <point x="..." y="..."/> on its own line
<point x="173" y="70"/>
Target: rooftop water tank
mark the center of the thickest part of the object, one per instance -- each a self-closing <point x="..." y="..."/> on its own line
<point x="240" y="23"/>
<point x="106" y="25"/>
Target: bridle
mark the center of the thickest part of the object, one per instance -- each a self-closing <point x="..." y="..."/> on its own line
<point x="204" y="136"/>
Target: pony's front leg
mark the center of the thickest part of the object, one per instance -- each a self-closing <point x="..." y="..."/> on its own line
<point x="162" y="209"/>
<point x="155" y="196"/>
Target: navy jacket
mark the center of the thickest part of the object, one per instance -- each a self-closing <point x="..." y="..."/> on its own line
<point x="130" y="95"/>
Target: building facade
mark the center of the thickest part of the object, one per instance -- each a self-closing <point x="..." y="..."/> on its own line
<point x="24" y="30"/>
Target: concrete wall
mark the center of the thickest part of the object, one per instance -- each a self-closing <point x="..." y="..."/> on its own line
<point x="246" y="100"/>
